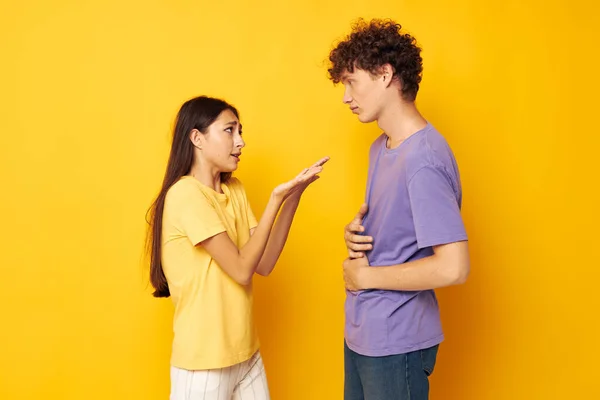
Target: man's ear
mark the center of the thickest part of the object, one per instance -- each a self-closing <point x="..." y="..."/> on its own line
<point x="387" y="74"/>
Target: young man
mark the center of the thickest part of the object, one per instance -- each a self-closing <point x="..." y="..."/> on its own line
<point x="409" y="238"/>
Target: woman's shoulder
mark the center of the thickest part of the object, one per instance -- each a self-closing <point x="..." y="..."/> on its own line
<point x="183" y="189"/>
<point x="184" y="184"/>
<point x="234" y="183"/>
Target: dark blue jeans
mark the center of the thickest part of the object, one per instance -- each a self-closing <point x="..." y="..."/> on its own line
<point x="397" y="377"/>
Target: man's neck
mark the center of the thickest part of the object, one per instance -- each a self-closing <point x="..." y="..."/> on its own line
<point x="399" y="121"/>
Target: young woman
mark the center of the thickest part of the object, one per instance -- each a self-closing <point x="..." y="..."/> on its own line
<point x="205" y="247"/>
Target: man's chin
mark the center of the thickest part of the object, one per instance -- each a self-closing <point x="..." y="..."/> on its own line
<point x="365" y="119"/>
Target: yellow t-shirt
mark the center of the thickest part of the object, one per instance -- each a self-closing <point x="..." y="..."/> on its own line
<point x="213" y="324"/>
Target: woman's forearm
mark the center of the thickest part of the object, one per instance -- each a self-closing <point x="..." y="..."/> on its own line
<point x="278" y="236"/>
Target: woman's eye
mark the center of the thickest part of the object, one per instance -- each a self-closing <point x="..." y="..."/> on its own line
<point x="230" y="130"/>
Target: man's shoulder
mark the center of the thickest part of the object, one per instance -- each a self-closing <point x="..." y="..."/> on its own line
<point x="429" y="150"/>
<point x="434" y="140"/>
<point x="377" y="143"/>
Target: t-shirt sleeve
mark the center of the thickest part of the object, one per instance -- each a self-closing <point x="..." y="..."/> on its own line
<point x="198" y="218"/>
<point x="435" y="208"/>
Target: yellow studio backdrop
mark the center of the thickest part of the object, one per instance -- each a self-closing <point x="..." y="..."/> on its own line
<point x="89" y="91"/>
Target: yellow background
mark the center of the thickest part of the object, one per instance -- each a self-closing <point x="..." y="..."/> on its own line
<point x="89" y="91"/>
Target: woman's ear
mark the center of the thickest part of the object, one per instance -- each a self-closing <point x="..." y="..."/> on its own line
<point x="197" y="138"/>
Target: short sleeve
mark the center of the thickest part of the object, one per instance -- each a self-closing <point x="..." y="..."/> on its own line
<point x="435" y="208"/>
<point x="196" y="215"/>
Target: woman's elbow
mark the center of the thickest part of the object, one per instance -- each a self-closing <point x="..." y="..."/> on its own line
<point x="243" y="280"/>
<point x="263" y="271"/>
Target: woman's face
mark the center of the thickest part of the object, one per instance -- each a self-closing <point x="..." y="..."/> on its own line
<point x="222" y="143"/>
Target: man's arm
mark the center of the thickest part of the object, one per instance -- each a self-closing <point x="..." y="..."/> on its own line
<point x="449" y="265"/>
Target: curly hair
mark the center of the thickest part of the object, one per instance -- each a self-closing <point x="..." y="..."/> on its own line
<point x="373" y="44"/>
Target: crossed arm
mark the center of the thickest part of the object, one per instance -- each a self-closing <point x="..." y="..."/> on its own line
<point x="449" y="265"/>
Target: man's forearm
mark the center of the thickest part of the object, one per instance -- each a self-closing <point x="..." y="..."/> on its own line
<point x="436" y="271"/>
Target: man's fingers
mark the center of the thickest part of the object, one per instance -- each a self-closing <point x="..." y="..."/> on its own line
<point x="361" y="212"/>
<point x="354" y="227"/>
<point x="363" y="209"/>
<point x="355" y="254"/>
<point x="359" y="247"/>
<point x="357" y="244"/>
<point x="359" y="239"/>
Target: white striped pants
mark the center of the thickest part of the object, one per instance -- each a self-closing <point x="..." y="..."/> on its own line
<point x="243" y="381"/>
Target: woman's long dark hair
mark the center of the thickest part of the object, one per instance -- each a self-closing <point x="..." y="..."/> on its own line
<point x="198" y="113"/>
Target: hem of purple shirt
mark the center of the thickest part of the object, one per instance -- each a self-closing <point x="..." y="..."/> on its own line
<point x="442" y="240"/>
<point x="390" y="351"/>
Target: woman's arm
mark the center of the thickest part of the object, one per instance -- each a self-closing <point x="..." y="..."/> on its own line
<point x="278" y="237"/>
<point x="241" y="264"/>
<point x="282" y="228"/>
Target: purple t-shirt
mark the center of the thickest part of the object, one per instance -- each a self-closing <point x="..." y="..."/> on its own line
<point x="414" y="196"/>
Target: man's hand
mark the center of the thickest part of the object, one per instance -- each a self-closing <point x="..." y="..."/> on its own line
<point x="357" y="244"/>
<point x="354" y="273"/>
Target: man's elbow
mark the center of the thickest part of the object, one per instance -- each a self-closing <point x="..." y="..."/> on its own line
<point x="454" y="260"/>
<point x="460" y="273"/>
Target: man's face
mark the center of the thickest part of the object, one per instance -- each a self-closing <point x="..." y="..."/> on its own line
<point x="363" y="94"/>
